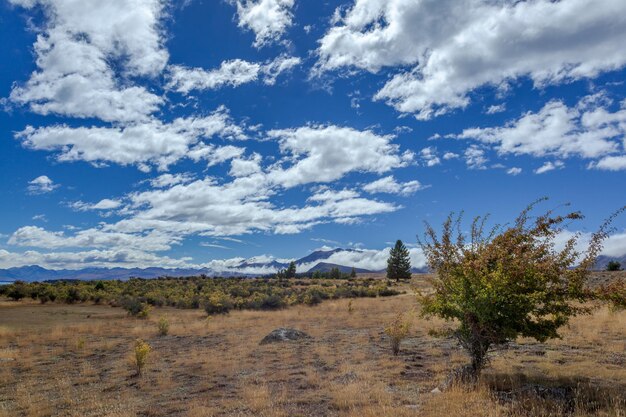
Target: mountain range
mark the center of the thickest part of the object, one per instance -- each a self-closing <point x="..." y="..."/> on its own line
<point x="315" y="261"/>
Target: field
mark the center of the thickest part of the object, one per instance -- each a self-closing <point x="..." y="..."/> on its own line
<point x="75" y="360"/>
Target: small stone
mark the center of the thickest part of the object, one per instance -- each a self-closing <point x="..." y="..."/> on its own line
<point x="436" y="391"/>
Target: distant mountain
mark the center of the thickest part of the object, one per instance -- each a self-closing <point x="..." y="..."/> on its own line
<point x="249" y="267"/>
<point x="327" y="267"/>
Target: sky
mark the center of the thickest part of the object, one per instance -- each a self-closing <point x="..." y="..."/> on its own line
<point x="194" y="133"/>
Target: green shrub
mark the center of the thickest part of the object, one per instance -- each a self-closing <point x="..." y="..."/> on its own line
<point x="218" y="303"/>
<point x="135" y="308"/>
<point x="164" y="326"/>
<point x="141" y="354"/>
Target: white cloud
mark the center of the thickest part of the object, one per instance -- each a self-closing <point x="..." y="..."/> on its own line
<point x="391" y="186"/>
<point x="326" y="153"/>
<point x="123" y="258"/>
<point x="75" y="49"/>
<point x="493" y="109"/>
<point x="371" y="259"/>
<point x="429" y="156"/>
<point x="230" y="73"/>
<point x="514" y="171"/>
<point x="268" y="19"/>
<point x="549" y="166"/>
<point x="41" y="185"/>
<point x="143" y="144"/>
<point x="240" y="167"/>
<point x="104" y="204"/>
<point x="475" y="157"/>
<point x="34" y="236"/>
<point x="167" y="180"/>
<point x="450" y="155"/>
<point x="456" y="47"/>
<point x="588" y="130"/>
<point x="610" y="163"/>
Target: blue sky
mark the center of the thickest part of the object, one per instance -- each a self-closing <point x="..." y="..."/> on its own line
<point x="197" y="133"/>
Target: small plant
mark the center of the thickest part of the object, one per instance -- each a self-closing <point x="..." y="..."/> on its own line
<point x="397" y="331"/>
<point x="80" y="343"/>
<point x="350" y="307"/>
<point x="164" y="326"/>
<point x="142" y="351"/>
<point x="218" y="303"/>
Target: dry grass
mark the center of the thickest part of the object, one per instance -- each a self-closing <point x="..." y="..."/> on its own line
<point x="73" y="361"/>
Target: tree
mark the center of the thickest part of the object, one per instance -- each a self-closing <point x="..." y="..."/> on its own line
<point x="18" y="291"/>
<point x="613" y="266"/>
<point x="509" y="282"/>
<point x="335" y="273"/>
<point x="353" y="273"/>
<point x="291" y="270"/>
<point x="399" y="262"/>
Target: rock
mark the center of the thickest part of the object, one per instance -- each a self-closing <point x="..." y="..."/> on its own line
<point x="436" y="391"/>
<point x="284" y="335"/>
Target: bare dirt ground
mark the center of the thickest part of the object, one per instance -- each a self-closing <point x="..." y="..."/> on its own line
<point x="60" y="360"/>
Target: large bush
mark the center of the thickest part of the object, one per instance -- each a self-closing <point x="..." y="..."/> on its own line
<point x="507" y="282"/>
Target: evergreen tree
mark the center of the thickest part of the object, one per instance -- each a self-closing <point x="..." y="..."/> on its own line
<point x="353" y="273"/>
<point x="399" y="262"/>
<point x="613" y="266"/>
<point x="291" y="270"/>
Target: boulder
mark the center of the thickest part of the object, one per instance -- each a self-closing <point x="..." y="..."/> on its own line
<point x="284" y="335"/>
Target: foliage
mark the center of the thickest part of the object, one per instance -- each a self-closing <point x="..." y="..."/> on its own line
<point x="508" y="282"/>
<point x="613" y="266"/>
<point x="615" y="294"/>
<point x="17" y="291"/>
<point x="291" y="270"/>
<point x="397" y="331"/>
<point x="142" y="351"/>
<point x="135" y="307"/>
<point x="164" y="326"/>
<point x="353" y="273"/>
<point x="218" y="294"/>
<point x="218" y="303"/>
<point x="399" y="262"/>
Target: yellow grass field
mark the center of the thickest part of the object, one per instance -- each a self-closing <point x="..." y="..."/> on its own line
<point x="75" y="360"/>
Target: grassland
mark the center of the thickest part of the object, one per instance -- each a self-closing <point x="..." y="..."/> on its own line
<point x="75" y="360"/>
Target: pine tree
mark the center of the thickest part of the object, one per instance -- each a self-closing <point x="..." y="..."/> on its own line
<point x="399" y="262"/>
<point x="353" y="273"/>
<point x="291" y="270"/>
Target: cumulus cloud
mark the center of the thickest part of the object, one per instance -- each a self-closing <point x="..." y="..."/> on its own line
<point x="371" y="259"/>
<point x="475" y="157"/>
<point x="514" y="171"/>
<point x="268" y="19"/>
<point x="429" y="156"/>
<point x="114" y="258"/>
<point x="456" y="47"/>
<point x="142" y="144"/>
<point x="389" y="185"/>
<point x="41" y="185"/>
<point x="230" y="73"/>
<point x="103" y="205"/>
<point x="550" y="166"/>
<point x="326" y="153"/>
<point x="588" y="130"/>
<point x="34" y="236"/>
<point x="75" y="49"/>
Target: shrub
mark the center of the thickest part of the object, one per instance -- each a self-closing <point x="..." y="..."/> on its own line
<point x="218" y="303"/>
<point x="613" y="266"/>
<point x="135" y="308"/>
<point x="397" y="331"/>
<point x="615" y="294"/>
<point x="164" y="326"/>
<point x="509" y="282"/>
<point x="73" y="295"/>
<point x="17" y="291"/>
<point x="140" y="359"/>
<point x="350" y="307"/>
